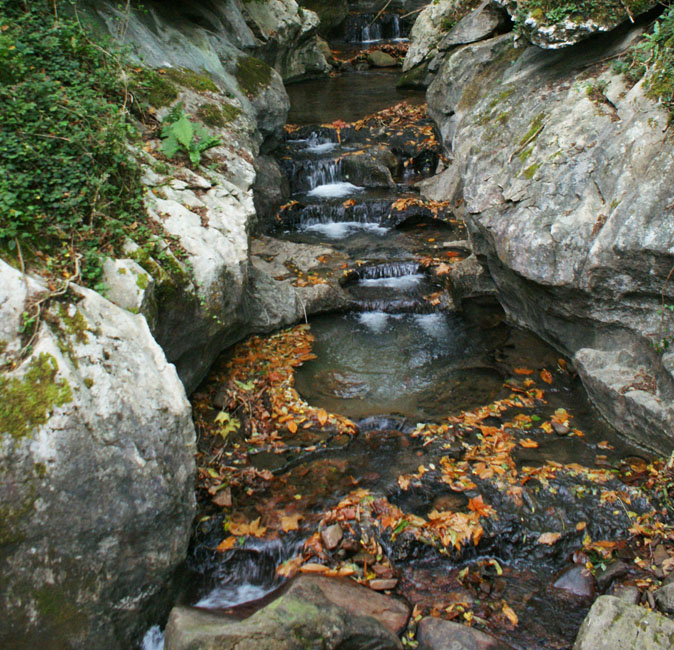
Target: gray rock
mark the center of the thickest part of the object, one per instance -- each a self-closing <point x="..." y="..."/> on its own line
<point x="470" y="280"/>
<point x="437" y="634"/>
<point x="313" y="612"/>
<point x="371" y="168"/>
<point x="130" y="287"/>
<point x="605" y="577"/>
<point x="552" y="30"/>
<point x="97" y="458"/>
<point x="664" y="599"/>
<point x="379" y="59"/>
<point x="270" y="190"/>
<point x="567" y="211"/>
<point x="476" y="26"/>
<point x="628" y="593"/>
<point x="612" y="623"/>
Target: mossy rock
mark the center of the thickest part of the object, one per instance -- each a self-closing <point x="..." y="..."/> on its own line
<point x="29" y="402"/>
<point x="218" y="116"/>
<point x="252" y="75"/>
<point x="417" y="77"/>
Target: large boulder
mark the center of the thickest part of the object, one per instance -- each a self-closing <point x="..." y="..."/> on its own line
<point x="554" y="25"/>
<point x="314" y="612"/>
<point x="436" y="634"/>
<point x="97" y="463"/>
<point x="558" y="163"/>
<point x="613" y="623"/>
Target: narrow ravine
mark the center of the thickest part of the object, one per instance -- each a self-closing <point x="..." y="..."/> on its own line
<point x="442" y="457"/>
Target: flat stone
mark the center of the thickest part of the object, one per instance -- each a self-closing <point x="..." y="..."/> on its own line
<point x="332" y="536"/>
<point x="383" y="584"/>
<point x="628" y="593"/>
<point x="437" y="634"/>
<point x="613" y="624"/>
<point x="664" y="599"/>
<point x="576" y="580"/>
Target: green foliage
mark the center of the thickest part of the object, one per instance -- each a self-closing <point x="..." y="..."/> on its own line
<point x="180" y="134"/>
<point x="68" y="187"/>
<point x="549" y="12"/>
<point x="194" y="80"/>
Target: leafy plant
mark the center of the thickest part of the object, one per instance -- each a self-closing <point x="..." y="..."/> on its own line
<point x="180" y="134"/>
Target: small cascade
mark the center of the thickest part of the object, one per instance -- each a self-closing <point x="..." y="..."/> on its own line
<point x="387" y="270"/>
<point x="369" y="28"/>
<point x="305" y="175"/>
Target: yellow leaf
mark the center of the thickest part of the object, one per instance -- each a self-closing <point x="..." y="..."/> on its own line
<point x="510" y="614"/>
<point x="322" y="416"/>
<point x="292" y="426"/>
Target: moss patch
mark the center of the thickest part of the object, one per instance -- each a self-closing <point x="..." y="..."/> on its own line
<point x="28" y="402"/>
<point x="252" y="75"/>
<point x="153" y="87"/>
<point x="217" y="116"/>
<point x="198" y="81"/>
<point x="530" y="171"/>
<point x="534" y="129"/>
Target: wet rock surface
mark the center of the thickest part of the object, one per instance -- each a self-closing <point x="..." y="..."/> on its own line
<point x="312" y="611"/>
<point x="436" y="634"/>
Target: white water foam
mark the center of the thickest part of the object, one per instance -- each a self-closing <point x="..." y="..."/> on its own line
<point x="403" y="282"/>
<point x="323" y="147"/>
<point x="222" y="597"/>
<point x="374" y="320"/>
<point x="434" y="325"/>
<point x="341" y="229"/>
<point x="153" y="639"/>
<point x="335" y="190"/>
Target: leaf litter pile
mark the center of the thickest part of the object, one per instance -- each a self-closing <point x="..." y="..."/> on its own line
<point x="470" y="518"/>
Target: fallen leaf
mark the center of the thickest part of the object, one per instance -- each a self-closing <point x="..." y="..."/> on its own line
<point x="292" y="426"/>
<point x="226" y="544"/>
<point x="549" y="538"/>
<point x="322" y="416"/>
<point x="313" y="567"/>
<point x="290" y="522"/>
<point x="523" y="371"/>
<point x="528" y="443"/>
<point x="510" y="614"/>
<point x="546" y="376"/>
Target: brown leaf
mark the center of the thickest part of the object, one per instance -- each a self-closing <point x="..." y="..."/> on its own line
<point x="546" y="376"/>
<point x="226" y="544"/>
<point x="290" y="522"/>
<point x="528" y="443"/>
<point x="523" y="371"/>
<point x="313" y="567"/>
<point x="322" y="416"/>
<point x="549" y="538"/>
<point x="292" y="426"/>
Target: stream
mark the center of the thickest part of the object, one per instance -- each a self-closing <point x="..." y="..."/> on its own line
<point x="478" y="470"/>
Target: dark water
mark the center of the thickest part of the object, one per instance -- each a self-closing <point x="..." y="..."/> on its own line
<point x="347" y="97"/>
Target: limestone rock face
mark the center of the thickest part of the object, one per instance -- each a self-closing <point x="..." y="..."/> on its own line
<point x="559" y="164"/>
<point x="552" y="26"/>
<point x="613" y="623"/>
<point x="445" y="25"/>
<point x="97" y="463"/>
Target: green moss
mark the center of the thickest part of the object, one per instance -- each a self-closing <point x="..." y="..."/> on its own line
<point x="198" y="81"/>
<point x="121" y="271"/>
<point x="252" y="75"/>
<point x="28" y="402"/>
<point x="530" y="171"/>
<point x="75" y="325"/>
<point x="153" y="87"/>
<point x="88" y="382"/>
<point x="524" y="154"/>
<point x="142" y="281"/>
<point x="58" y="610"/>
<point x="218" y="116"/>
<point x="40" y="470"/>
<point x="534" y="129"/>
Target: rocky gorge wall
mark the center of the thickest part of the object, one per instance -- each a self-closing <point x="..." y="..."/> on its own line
<point x="561" y="167"/>
<point x="96" y="435"/>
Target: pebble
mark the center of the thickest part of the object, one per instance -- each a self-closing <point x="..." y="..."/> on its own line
<point x="383" y="584"/>
<point x="332" y="536"/>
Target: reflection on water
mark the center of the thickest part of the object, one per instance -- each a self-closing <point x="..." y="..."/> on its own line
<point x="348" y="97"/>
<point x="380" y="363"/>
